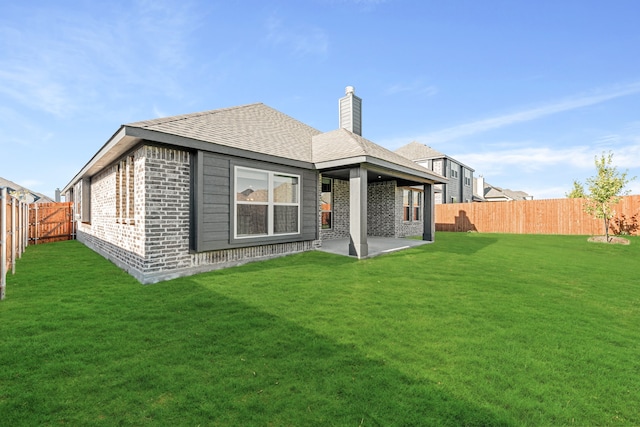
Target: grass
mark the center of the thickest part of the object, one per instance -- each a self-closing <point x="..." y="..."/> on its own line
<point x="475" y="329"/>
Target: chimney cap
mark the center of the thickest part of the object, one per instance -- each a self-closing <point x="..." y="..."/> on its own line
<point x="349" y="89"/>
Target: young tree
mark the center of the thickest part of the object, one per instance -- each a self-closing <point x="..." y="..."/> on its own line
<point x="605" y="190"/>
<point x="577" y="192"/>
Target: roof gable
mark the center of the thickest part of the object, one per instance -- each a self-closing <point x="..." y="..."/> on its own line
<point x="417" y="151"/>
<point x="492" y="192"/>
<point x="342" y="144"/>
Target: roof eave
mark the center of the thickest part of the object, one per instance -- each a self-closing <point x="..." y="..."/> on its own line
<point x="374" y="163"/>
<point x="116" y="146"/>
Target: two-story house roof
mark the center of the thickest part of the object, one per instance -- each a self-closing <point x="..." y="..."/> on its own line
<point x="459" y="185"/>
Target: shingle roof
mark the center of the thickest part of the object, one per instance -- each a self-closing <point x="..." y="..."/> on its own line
<point x="492" y="192"/>
<point x="262" y="129"/>
<point x="16" y="187"/>
<point x="253" y="127"/>
<point x="342" y="144"/>
<point x="417" y="151"/>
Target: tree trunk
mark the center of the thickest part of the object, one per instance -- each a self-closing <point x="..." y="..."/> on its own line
<point x="606" y="228"/>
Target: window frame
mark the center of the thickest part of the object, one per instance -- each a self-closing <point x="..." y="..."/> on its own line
<point x="271" y="204"/>
<point x="330" y="210"/>
<point x="416" y="196"/>
<point x="85" y="201"/>
<point x="467" y="177"/>
<point x="125" y="190"/>
<point x="406" y="205"/>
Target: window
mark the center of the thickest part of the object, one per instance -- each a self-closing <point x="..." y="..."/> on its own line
<point x="417" y="205"/>
<point x="326" y="203"/>
<point x="85" y="199"/>
<point x="467" y="177"/>
<point x="406" y="205"/>
<point x="412" y="205"/>
<point x="454" y="173"/>
<point x="266" y="203"/>
<point x="125" y="191"/>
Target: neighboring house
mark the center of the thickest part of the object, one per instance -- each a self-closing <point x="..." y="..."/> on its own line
<point x="489" y="193"/>
<point x="24" y="194"/>
<point x="179" y="195"/>
<point x="459" y="185"/>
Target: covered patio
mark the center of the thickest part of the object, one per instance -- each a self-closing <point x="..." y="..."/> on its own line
<point x="377" y="246"/>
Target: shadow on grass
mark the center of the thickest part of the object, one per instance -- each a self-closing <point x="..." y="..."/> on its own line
<point x="91" y="346"/>
<point x="472" y="243"/>
<point x="110" y="351"/>
<point x="260" y="369"/>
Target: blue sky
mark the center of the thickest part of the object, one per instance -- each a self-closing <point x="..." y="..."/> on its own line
<point x="526" y="93"/>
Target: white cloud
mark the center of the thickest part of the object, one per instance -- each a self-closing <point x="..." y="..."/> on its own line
<point x="526" y="159"/>
<point x="306" y="40"/>
<point x="540" y="158"/>
<point x="573" y="103"/>
<point x="62" y="62"/>
<point x="416" y="87"/>
<point x="158" y="113"/>
<point x="34" y="88"/>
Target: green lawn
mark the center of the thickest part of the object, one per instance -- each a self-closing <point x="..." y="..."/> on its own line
<point x="475" y="329"/>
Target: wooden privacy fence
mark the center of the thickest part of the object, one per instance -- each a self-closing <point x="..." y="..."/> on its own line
<point x="553" y="216"/>
<point x="13" y="234"/>
<point x="51" y="222"/>
<point x="22" y="224"/>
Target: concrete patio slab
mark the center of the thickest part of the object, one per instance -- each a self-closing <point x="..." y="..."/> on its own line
<point x="377" y="245"/>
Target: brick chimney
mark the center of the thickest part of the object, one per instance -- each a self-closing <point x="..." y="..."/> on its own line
<point x="350" y="111"/>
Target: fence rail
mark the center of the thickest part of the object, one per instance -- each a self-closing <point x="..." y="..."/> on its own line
<point x="13" y="234"/>
<point x="22" y="224"/>
<point x="553" y="216"/>
<point x="51" y="222"/>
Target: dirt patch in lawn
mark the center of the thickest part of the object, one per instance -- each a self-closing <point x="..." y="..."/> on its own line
<point x="612" y="239"/>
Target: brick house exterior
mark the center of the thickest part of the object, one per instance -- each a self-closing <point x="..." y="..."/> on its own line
<point x="162" y="198"/>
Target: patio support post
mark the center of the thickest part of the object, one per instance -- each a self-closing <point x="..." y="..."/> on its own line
<point x="358" y="245"/>
<point x="429" y="223"/>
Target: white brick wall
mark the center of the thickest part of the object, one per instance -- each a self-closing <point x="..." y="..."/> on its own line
<point x="122" y="243"/>
<point x="103" y="225"/>
<point x="156" y="246"/>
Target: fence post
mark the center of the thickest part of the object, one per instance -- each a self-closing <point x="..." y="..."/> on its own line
<point x="26" y="225"/>
<point x="3" y="241"/>
<point x="14" y="242"/>
<point x="35" y="225"/>
<point x="21" y="229"/>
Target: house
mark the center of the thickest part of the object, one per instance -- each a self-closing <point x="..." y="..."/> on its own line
<point x="24" y="194"/>
<point x="180" y="195"/>
<point x="459" y="185"/>
<point x="489" y="193"/>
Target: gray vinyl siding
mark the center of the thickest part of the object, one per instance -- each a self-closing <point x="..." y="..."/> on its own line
<point x="455" y="183"/>
<point x="213" y="203"/>
<point x="467" y="189"/>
